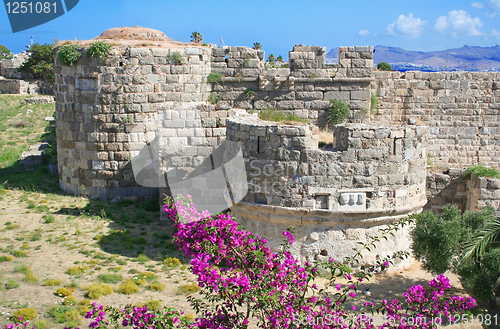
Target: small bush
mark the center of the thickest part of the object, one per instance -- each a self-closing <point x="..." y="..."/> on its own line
<point x="172" y="262"/>
<point x="383" y="66"/>
<point x="51" y="283"/>
<point x="20" y="253"/>
<point x="189" y="318"/>
<point x="24" y="314"/>
<point x="154" y="305"/>
<point x="142" y="258"/>
<point x="70" y="301"/>
<point x="6" y="258"/>
<point x="63" y="292"/>
<point x="96" y="290"/>
<point x="188" y="289"/>
<point x="22" y="269"/>
<point x="249" y="93"/>
<point x="175" y="58"/>
<point x="30" y="277"/>
<point x="214" y="98"/>
<point x="11" y="227"/>
<point x="338" y="112"/>
<point x="110" y="278"/>
<point x="77" y="270"/>
<point x="68" y="55"/>
<point x="65" y="314"/>
<point x="11" y="284"/>
<point x="36" y="236"/>
<point x="128" y="288"/>
<point x="214" y="77"/>
<point x="99" y="49"/>
<point x="148" y="276"/>
<point x="155" y="286"/>
<point x="48" y="219"/>
<point x="481" y="171"/>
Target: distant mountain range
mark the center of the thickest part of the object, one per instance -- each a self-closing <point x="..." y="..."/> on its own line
<point x="466" y="58"/>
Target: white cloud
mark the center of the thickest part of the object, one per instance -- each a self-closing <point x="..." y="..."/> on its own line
<point x="457" y="23"/>
<point x="494" y="5"/>
<point x="477" y="5"/>
<point x="495" y="33"/>
<point x="409" y="26"/>
<point x="364" y="33"/>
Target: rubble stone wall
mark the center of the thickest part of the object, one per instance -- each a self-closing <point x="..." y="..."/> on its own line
<point x="482" y="192"/>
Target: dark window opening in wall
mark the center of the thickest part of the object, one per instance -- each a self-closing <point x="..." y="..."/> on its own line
<point x="201" y="58"/>
<point x="225" y="58"/>
<point x="121" y="64"/>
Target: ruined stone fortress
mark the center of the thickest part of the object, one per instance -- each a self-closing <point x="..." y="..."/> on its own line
<point x="391" y="162"/>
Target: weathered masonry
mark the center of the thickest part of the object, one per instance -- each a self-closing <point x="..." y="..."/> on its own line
<point x="142" y="97"/>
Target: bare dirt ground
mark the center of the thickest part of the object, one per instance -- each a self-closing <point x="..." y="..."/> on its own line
<point x="70" y="240"/>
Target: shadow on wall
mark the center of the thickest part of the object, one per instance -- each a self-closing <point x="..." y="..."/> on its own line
<point x="446" y="188"/>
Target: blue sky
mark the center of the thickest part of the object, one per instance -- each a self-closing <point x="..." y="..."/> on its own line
<point x="279" y="25"/>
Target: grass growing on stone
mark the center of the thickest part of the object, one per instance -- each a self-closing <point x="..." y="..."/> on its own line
<point x="276" y="115"/>
<point x="481" y="171"/>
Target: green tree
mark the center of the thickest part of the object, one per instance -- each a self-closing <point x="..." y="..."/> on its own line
<point x="257" y="46"/>
<point x="196" y="37"/>
<point x="280" y="59"/>
<point x="41" y="61"/>
<point x="466" y="243"/>
<point x="271" y="58"/>
<point x="383" y="66"/>
<point x="5" y="53"/>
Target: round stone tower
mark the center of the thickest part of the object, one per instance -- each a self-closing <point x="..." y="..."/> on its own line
<point x="334" y="196"/>
<point x="99" y="102"/>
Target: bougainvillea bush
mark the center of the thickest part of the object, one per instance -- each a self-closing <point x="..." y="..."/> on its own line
<point x="243" y="282"/>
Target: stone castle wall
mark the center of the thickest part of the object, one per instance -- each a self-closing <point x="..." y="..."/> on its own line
<point x="305" y="87"/>
<point x="462" y="110"/>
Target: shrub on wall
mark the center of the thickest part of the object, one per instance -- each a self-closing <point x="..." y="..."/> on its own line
<point x="481" y="171"/>
<point x="338" y="112"/>
<point x="68" y="55"/>
<point x="214" y="77"/>
<point x="99" y="49"/>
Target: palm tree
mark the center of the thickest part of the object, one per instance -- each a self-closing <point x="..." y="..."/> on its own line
<point x="257" y="46"/>
<point x="271" y="58"/>
<point x="280" y="59"/>
<point x="196" y="37"/>
<point x="487" y="237"/>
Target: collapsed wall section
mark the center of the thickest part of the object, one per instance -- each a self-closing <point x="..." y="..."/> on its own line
<point x="371" y="177"/>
